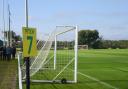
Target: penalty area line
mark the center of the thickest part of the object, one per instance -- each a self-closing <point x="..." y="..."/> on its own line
<point x="99" y="81"/>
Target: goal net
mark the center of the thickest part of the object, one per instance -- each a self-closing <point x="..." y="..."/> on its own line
<point x="57" y="58"/>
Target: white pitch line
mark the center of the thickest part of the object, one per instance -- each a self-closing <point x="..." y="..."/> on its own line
<point x="101" y="82"/>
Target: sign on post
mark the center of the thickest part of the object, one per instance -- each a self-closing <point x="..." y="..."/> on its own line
<point x="29" y="42"/>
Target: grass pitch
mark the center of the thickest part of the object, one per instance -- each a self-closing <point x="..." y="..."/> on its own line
<point x="97" y="69"/>
<point x="8" y="74"/>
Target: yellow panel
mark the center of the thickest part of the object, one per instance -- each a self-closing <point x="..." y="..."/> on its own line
<point x="29" y="42"/>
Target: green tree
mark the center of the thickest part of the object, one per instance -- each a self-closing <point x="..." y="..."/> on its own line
<point x="88" y="37"/>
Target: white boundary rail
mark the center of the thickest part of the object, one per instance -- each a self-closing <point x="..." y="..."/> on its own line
<point x="19" y="72"/>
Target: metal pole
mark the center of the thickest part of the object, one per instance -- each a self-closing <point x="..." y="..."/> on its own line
<point x="3" y="24"/>
<point x="27" y="73"/>
<point x="55" y="47"/>
<point x="27" y="58"/>
<point x="76" y="54"/>
<point x="9" y="25"/>
<point x="26" y="12"/>
<point x="9" y="28"/>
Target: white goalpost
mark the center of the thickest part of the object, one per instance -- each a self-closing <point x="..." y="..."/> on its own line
<point x="56" y="61"/>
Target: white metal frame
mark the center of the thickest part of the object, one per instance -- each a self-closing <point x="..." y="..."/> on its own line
<point x="76" y="52"/>
<point x="75" y="59"/>
<point x="55" y="48"/>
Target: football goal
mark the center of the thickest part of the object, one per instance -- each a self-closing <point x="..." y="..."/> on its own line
<point x="56" y="61"/>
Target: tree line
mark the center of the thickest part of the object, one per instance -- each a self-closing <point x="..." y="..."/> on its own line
<point x="85" y="37"/>
<point x="121" y="44"/>
<point x="93" y="40"/>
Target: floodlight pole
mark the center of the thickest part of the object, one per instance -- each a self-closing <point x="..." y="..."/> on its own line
<point x="3" y="24"/>
<point x="9" y="25"/>
<point x="27" y="58"/>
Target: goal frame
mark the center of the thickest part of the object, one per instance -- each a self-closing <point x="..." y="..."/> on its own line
<point x="75" y="60"/>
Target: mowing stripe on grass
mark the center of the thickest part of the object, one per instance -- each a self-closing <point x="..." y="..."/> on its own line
<point x="97" y="80"/>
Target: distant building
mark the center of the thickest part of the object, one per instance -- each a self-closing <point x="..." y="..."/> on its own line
<point x="82" y="46"/>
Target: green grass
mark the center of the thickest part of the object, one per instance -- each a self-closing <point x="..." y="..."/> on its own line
<point x="8" y="73"/>
<point x="97" y="69"/>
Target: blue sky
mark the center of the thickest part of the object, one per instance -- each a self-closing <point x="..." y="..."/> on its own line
<point x="109" y="17"/>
